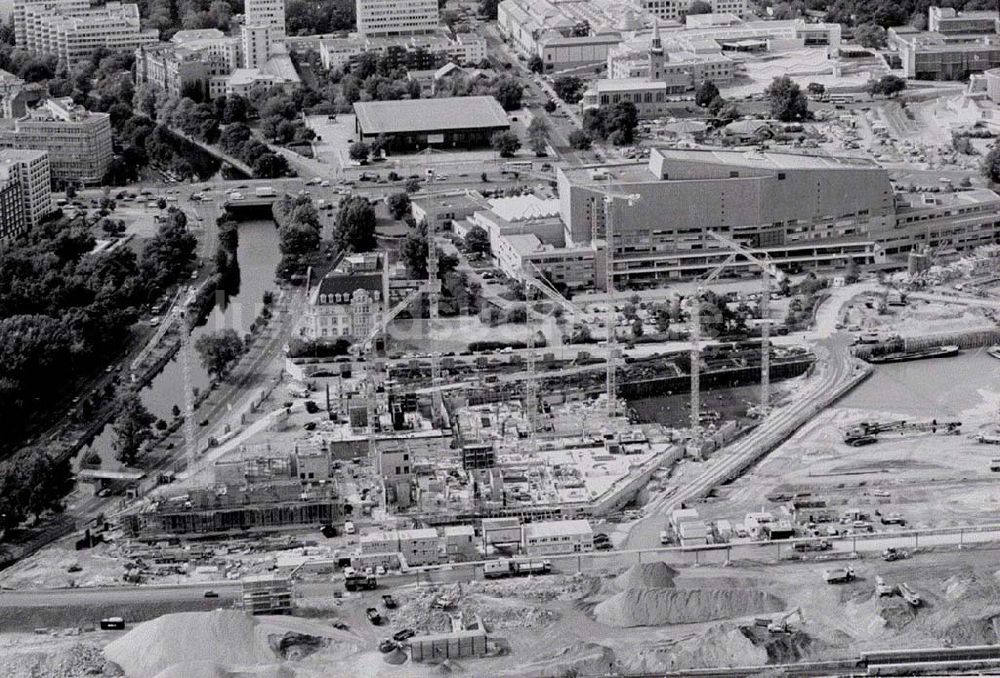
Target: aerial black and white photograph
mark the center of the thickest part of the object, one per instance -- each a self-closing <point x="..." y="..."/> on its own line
<point x="499" y="338"/>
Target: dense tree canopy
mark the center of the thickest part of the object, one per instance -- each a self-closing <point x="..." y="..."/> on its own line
<point x="615" y="122"/>
<point x="63" y="310"/>
<point x="170" y="252"/>
<point x="788" y="103"/>
<point x="355" y="230"/>
<point x="219" y="350"/>
<point x="132" y="427"/>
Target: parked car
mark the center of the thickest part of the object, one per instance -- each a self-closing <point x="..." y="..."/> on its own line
<point x="211" y="594"/>
<point x="403" y="634"/>
<point x="386" y="645"/>
<point x="373" y="616"/>
<point x="389" y="602"/>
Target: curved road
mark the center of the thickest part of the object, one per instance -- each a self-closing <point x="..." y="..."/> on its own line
<point x="838" y="368"/>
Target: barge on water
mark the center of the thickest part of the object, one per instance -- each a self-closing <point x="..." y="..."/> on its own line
<point x="916" y="354"/>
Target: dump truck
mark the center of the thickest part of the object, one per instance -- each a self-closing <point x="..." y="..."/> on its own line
<point x="804" y="546"/>
<point x="496" y="569"/>
<point x="357" y="581"/>
<point x="909" y="595"/>
<point x="883" y="590"/>
<point x="839" y="575"/>
<point x="892" y="553"/>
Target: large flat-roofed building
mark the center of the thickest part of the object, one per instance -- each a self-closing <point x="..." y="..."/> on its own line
<point x="453" y="122"/>
<point x="78" y="141"/>
<point x="935" y="56"/>
<point x="31" y="169"/>
<point x="397" y="17"/>
<point x="803" y="211"/>
<point x="76" y="36"/>
<point x="957" y="44"/>
<point x="947" y="20"/>
<point x="565" y="34"/>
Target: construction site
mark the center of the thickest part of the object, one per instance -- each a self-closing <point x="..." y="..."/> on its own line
<point x="507" y="511"/>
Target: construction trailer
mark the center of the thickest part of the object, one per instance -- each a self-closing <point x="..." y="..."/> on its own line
<point x="448" y="646"/>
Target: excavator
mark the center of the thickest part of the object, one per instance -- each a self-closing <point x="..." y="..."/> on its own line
<point x="780" y="625"/>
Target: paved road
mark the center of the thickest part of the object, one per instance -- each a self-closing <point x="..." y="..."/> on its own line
<point x="774" y="553"/>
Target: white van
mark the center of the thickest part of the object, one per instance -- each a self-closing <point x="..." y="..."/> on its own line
<point x="349" y="528"/>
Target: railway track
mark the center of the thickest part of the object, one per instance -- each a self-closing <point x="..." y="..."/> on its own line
<point x="939" y="661"/>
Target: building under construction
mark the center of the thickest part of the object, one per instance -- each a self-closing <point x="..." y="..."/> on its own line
<point x="227" y="509"/>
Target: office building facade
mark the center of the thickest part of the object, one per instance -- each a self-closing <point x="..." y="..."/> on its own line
<point x="75" y="37"/>
<point x="31" y="169"/>
<point x="77" y="140"/>
<point x="397" y="17"/>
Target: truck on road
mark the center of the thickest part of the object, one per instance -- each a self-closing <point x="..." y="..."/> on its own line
<point x="264" y="192"/>
<point x="356" y="581"/>
<point x="496" y="569"/>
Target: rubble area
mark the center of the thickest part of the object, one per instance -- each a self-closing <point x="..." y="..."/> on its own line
<point x="75" y="661"/>
<point x="501" y="606"/>
<point x="723" y="645"/>
<point x="587" y="659"/>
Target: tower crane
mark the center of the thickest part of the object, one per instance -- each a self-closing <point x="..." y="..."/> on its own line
<point x="694" y="336"/>
<point x="768" y="271"/>
<point x="610" y="219"/>
<point x="187" y="348"/>
<point x="530" y="386"/>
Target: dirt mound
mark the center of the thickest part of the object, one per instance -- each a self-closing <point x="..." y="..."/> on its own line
<point x="896" y="612"/>
<point x="656" y="607"/>
<point x="647" y="576"/>
<point x="587" y="659"/>
<point x="226" y="637"/>
<point x="720" y="646"/>
<point x="977" y="631"/>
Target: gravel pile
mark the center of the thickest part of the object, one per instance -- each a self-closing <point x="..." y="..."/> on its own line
<point x="647" y="576"/>
<point x="656" y="607"/>
<point x="225" y="637"/>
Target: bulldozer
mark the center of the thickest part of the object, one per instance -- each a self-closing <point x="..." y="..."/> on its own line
<point x="780" y="625"/>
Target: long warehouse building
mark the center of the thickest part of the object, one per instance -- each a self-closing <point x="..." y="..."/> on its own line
<point x="413" y="124"/>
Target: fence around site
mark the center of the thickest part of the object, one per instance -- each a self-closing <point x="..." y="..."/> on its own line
<point x="848" y="546"/>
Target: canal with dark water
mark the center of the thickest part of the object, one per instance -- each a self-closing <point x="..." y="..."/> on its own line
<point x="258" y="256"/>
<point x="943" y="387"/>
